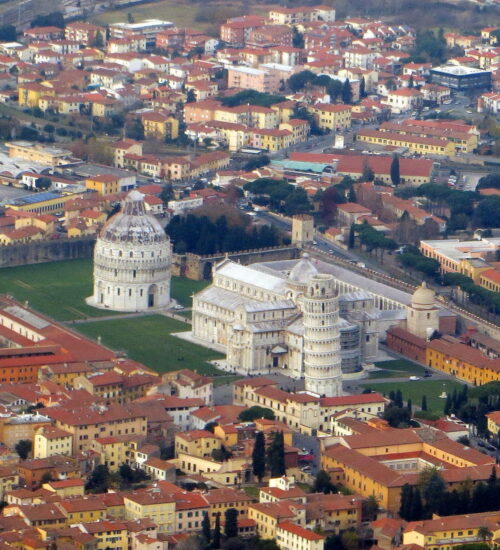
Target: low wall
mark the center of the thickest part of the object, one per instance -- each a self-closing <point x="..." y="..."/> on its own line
<point x="38" y="252"/>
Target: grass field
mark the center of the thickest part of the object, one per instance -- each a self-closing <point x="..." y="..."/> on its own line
<point x="183" y="13"/>
<point x="415" y="390"/>
<point x="397" y="369"/>
<point x="59" y="289"/>
<point x="148" y="340"/>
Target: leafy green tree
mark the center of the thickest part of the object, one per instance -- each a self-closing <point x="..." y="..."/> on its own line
<point x="432" y="491"/>
<point x="395" y="171"/>
<point x="276" y="455"/>
<point x="254" y="412"/>
<point x="405" y="501"/>
<point x="8" y="33"/>
<point x="259" y="456"/>
<point x="323" y="483"/>
<point x="23" y="448"/>
<point x="370" y="508"/>
<point x="231" y="523"/>
<point x="416" y="506"/>
<point x="99" y="479"/>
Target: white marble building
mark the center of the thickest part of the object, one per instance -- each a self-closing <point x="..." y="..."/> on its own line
<point x="288" y="315"/>
<point x="132" y="261"/>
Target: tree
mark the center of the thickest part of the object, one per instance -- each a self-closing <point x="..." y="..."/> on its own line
<point x="368" y="174"/>
<point x="43" y="183"/>
<point x="8" y="33"/>
<point x="23" y="448"/>
<point x="370" y="508"/>
<point x="484" y="533"/>
<point x="351" y="196"/>
<point x="352" y="237"/>
<point x="216" y="533"/>
<point x="98" y="41"/>
<point x="362" y="87"/>
<point x="346" y="92"/>
<point x="276" y="455"/>
<point x="98" y="481"/>
<point x="190" y="96"/>
<point x="405" y="501"/>
<point x="416" y="506"/>
<point x="423" y="406"/>
<point x="432" y="491"/>
<point x="409" y="407"/>
<point x="254" y="412"/>
<point x="323" y="483"/>
<point x="395" y="172"/>
<point x="349" y="539"/>
<point x="231" y="525"/>
<point x="205" y="528"/>
<point x="259" y="456"/>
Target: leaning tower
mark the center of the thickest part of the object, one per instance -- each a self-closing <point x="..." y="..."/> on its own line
<point x="320" y="307"/>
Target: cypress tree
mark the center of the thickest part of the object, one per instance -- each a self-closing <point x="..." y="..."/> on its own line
<point x="398" y="399"/>
<point x="231" y="525"/>
<point x="352" y="237"/>
<point x="447" y="405"/>
<point x="216" y="534"/>
<point x="409" y="407"/>
<point x="276" y="456"/>
<point x="395" y="171"/>
<point x="392" y="395"/>
<point x="433" y="491"/>
<point x="259" y="457"/>
<point x="205" y="527"/>
<point x="423" y="406"/>
<point x="416" y="506"/>
<point x="405" y="504"/>
<point x="346" y="92"/>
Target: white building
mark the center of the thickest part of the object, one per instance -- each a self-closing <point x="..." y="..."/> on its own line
<point x="132" y="261"/>
<point x="288" y="319"/>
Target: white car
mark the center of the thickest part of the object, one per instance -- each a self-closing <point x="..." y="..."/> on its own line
<point x="414" y="378"/>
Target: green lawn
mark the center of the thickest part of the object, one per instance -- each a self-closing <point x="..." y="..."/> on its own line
<point x="148" y="340"/>
<point x="59" y="289"/>
<point x="415" y="390"/>
<point x="182" y="289"/>
<point x="397" y="369"/>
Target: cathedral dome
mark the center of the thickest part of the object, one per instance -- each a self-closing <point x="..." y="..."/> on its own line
<point x="423" y="297"/>
<point x="303" y="270"/>
<point x="133" y="224"/>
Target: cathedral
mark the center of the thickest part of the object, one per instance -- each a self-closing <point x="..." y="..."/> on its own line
<point x="289" y="317"/>
<point x="132" y="261"/>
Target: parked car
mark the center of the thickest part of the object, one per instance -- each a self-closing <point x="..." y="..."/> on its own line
<point x="414" y="378"/>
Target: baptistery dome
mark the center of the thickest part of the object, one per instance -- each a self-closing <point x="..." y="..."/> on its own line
<point x="132" y="260"/>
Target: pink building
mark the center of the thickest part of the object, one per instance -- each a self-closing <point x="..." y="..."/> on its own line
<point x="253" y="79"/>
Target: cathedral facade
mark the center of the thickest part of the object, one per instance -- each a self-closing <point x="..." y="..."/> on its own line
<point x="295" y="321"/>
<point x="132" y="261"/>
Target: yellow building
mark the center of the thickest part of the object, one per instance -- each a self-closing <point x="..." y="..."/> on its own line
<point x="50" y="441"/>
<point x="66" y="487"/>
<point x="473" y="268"/>
<point x="490" y="279"/>
<point x="32" y="152"/>
<point x="104" y="184"/>
<point x="109" y="533"/>
<point x="267" y="516"/>
<point x="89" y="423"/>
<point x="221" y="500"/>
<point x="83" y="509"/>
<point x="9" y="478"/>
<point x="271" y="139"/>
<point x="21" y="236"/>
<point x="157" y="506"/>
<point x="160" y="126"/>
<point x="64" y="374"/>
<point x="331" y="116"/>
<point x="30" y="93"/>
<point x="199" y="443"/>
<point x="284" y="109"/>
<point x="290" y="536"/>
<point x="113" y="450"/>
<point x="449" y="355"/>
<point x="422" y="145"/>
<point x="450" y="531"/>
<point x="493" y="422"/>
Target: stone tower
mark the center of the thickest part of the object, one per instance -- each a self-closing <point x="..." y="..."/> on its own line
<point x="322" y="361"/>
<point x="422" y="317"/>
<point x="302" y="229"/>
<point x="132" y="261"/>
